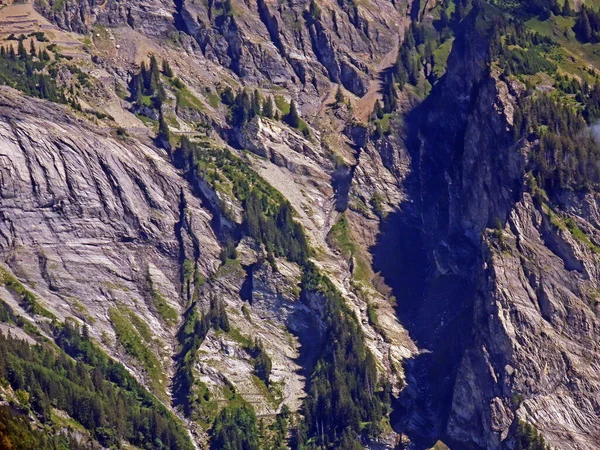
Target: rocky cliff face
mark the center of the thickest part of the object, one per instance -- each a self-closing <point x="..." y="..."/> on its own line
<point x="260" y="42"/>
<point x="89" y="221"/>
<point x="477" y="299"/>
<point x="497" y="270"/>
<point x="97" y="228"/>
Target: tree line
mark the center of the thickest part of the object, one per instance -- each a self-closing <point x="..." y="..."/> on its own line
<point x="100" y="394"/>
<point x="244" y="106"/>
<point x="24" y="70"/>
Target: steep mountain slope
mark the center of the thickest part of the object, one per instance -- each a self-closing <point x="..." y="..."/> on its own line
<point x="515" y="358"/>
<point x="300" y="224"/>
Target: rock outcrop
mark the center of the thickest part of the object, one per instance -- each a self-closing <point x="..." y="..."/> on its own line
<point x="505" y="305"/>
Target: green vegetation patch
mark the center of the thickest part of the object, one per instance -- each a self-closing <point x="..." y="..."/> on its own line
<point x="136" y="344"/>
<point x="212" y="97"/>
<point x="268" y="216"/>
<point x="440" y="57"/>
<point x="568" y="223"/>
<point x="26" y="298"/>
<point x="343" y="370"/>
<point x="340" y="237"/>
<point x="235" y="427"/>
<point x="7" y="315"/>
<point x="191" y="394"/>
<point x="91" y="388"/>
<point x="282" y="104"/>
<point x="166" y="312"/>
<point x="185" y="99"/>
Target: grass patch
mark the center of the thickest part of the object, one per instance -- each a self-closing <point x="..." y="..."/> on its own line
<point x="185" y="99"/>
<point x="172" y="121"/>
<point x="58" y="5"/>
<point x="282" y="104"/>
<point x="340" y="237"/>
<point x="238" y="337"/>
<point x="230" y="267"/>
<point x="569" y="224"/>
<point x="580" y="235"/>
<point x="151" y="123"/>
<point x="164" y="310"/>
<point x="440" y="57"/>
<point x="206" y="408"/>
<point x="141" y="326"/>
<point x="384" y="123"/>
<point x="129" y="336"/>
<point x="571" y="56"/>
<point x="212" y="98"/>
<point x="146" y="100"/>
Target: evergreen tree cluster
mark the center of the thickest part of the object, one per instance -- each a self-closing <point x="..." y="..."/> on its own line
<point x="345" y="398"/>
<point x="268" y="216"/>
<point x="588" y="96"/>
<point x="147" y="83"/>
<point x="525" y="62"/>
<point x="235" y="429"/>
<point x="261" y="361"/>
<point x="519" y="51"/>
<point x="566" y="156"/>
<point x="277" y="440"/>
<point x="244" y="106"/>
<point x="528" y="438"/>
<point x="408" y="63"/>
<point x="530" y="8"/>
<point x="587" y="25"/>
<point x="416" y="55"/>
<point x="462" y="8"/>
<point x="93" y="389"/>
<point x="16" y="433"/>
<point x="147" y="90"/>
<point x="24" y="70"/>
<point x="278" y="231"/>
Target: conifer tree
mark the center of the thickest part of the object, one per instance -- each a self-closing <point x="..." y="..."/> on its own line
<point x="154" y="74"/>
<point x="583" y="25"/>
<point x="293" y="118"/>
<point x="389" y="95"/>
<point x="378" y="131"/>
<point x="164" y="134"/>
<point x="166" y="69"/>
<point x="227" y="96"/>
<point x="256" y="109"/>
<point x="268" y="108"/>
<point x="21" y="50"/>
<point x="378" y="110"/>
<point x="339" y="95"/>
<point x="138" y="89"/>
<point x="145" y="75"/>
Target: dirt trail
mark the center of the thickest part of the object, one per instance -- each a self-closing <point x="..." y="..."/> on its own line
<point x="365" y="104"/>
